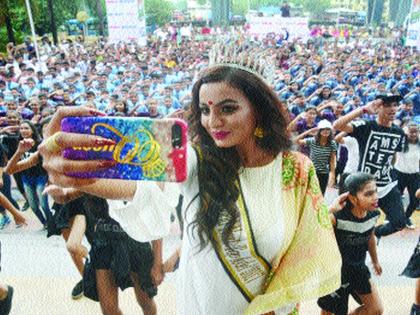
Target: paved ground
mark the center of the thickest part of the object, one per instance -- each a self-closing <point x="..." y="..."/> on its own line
<point x="43" y="275"/>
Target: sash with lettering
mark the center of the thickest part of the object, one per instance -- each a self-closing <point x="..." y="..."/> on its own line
<point x="245" y="266"/>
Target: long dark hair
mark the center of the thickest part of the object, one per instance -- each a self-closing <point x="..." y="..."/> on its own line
<point x="318" y="137"/>
<point x="219" y="167"/>
<point x="35" y="133"/>
<point x="354" y="183"/>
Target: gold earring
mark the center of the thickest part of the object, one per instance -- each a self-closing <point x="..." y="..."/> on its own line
<point x="259" y="132"/>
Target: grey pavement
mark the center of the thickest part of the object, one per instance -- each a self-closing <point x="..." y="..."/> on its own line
<point x="43" y="275"/>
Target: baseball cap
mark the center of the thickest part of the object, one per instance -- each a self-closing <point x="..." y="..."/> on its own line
<point x="324" y="124"/>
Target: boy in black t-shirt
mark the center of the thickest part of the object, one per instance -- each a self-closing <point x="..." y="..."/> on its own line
<point x="378" y="141"/>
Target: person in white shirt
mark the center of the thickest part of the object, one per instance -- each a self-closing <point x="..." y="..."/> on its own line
<point x="352" y="163"/>
<point x="407" y="170"/>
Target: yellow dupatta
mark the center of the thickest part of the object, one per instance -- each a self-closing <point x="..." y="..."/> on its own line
<point x="309" y="264"/>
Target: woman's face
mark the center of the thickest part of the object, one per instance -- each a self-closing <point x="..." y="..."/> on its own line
<point x="325" y="132"/>
<point x="120" y="107"/>
<point x="227" y="115"/>
<point x="366" y="198"/>
<point x="35" y="107"/>
<point x="326" y="93"/>
<point x="12" y="119"/>
<point x="311" y="115"/>
<point x="25" y="131"/>
<point x="413" y="133"/>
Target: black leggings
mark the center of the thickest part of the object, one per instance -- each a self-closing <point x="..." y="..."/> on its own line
<point x="412" y="183"/>
<point x="392" y="205"/>
<point x="323" y="181"/>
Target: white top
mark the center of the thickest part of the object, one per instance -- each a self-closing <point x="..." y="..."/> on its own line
<point x="204" y="287"/>
<point x="408" y="162"/>
<point x="353" y="157"/>
<point x="147" y="219"/>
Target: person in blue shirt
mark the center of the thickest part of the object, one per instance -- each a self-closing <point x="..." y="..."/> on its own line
<point x="320" y="95"/>
<point x="298" y="105"/>
<point x="404" y="113"/>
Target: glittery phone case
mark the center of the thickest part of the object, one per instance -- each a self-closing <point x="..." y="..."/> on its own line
<point x="145" y="149"/>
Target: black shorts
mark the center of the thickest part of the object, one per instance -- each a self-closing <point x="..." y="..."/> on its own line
<point x="355" y="281"/>
<point x="114" y="250"/>
<point x="358" y="277"/>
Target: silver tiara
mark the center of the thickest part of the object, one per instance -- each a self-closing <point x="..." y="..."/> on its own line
<point x="247" y="58"/>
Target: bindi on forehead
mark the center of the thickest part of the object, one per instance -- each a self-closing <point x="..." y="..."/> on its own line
<point x="210" y="103"/>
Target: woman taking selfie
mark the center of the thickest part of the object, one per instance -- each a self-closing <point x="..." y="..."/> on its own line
<point x="245" y="192"/>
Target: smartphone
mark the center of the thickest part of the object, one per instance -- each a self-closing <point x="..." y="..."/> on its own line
<point x="145" y="149"/>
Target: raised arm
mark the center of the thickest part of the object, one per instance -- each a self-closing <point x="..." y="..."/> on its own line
<point x="15" y="165"/>
<point x="340" y="137"/>
<point x="344" y="122"/>
<point x="292" y="125"/>
<point x="300" y="139"/>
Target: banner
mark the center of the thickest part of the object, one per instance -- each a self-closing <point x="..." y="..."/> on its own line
<point x="413" y="29"/>
<point x="126" y="20"/>
<point x="293" y="27"/>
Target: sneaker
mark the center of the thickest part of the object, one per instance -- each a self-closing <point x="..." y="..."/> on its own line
<point x="77" y="291"/>
<point x="5" y="221"/>
<point x="6" y="304"/>
<point x="415" y="310"/>
<point x="410" y="225"/>
<point x="25" y="207"/>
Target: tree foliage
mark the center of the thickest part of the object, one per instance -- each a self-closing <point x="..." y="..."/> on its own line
<point x="158" y="11"/>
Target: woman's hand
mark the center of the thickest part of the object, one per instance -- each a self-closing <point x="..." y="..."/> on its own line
<point x="25" y="145"/>
<point x="51" y="149"/>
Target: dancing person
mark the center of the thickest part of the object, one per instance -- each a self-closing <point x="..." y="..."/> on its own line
<point x="378" y="141"/>
<point x="354" y="226"/>
<point x="352" y="163"/>
<point x="10" y="140"/>
<point x="26" y="161"/>
<point x="117" y="260"/>
<point x="412" y="270"/>
<point x="407" y="170"/>
<point x="243" y="187"/>
<point x="322" y="151"/>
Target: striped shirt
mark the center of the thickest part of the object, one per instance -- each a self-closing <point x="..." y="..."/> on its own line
<point x="321" y="155"/>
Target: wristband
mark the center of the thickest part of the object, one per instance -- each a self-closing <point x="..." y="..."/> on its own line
<point x="365" y="110"/>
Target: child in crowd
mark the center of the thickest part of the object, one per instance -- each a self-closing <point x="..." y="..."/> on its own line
<point x="354" y="227"/>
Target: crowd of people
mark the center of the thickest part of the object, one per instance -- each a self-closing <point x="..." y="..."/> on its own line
<point x="348" y="103"/>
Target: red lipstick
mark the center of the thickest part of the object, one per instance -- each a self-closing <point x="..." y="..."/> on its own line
<point x="220" y="135"/>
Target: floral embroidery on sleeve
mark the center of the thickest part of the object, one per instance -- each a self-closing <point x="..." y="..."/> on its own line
<point x="299" y="172"/>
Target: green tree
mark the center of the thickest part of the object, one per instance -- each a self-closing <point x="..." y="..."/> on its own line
<point x="239" y="7"/>
<point x="158" y="11"/>
<point x="220" y="11"/>
<point x="375" y="11"/>
<point x="315" y="7"/>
